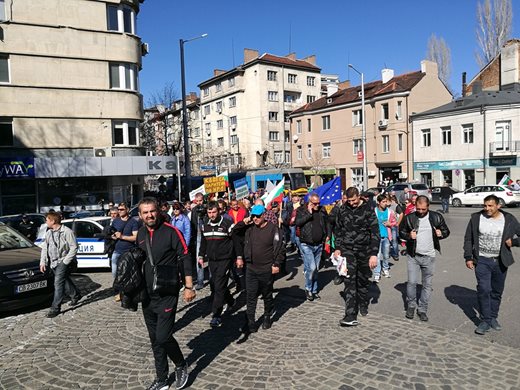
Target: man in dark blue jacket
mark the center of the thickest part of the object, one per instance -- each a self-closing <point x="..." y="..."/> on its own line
<point x="487" y="250"/>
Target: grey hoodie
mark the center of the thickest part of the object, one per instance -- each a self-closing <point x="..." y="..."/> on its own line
<point x="67" y="247"/>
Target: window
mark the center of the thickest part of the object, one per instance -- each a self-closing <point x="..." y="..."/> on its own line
<point x="309" y="151"/>
<point x="325" y="120"/>
<point x="125" y="133"/>
<point x="299" y="153"/>
<point x="220" y="124"/>
<point x="234" y="139"/>
<point x="206" y="91"/>
<point x="220" y="141"/>
<point x="207" y="126"/>
<point x="286" y="136"/>
<point x="274" y="136"/>
<point x="446" y="135"/>
<point x="119" y="18"/>
<point x="196" y="132"/>
<point x="272" y="96"/>
<point x="310" y="81"/>
<point x="218" y="107"/>
<point x="426" y="138"/>
<point x="298" y="127"/>
<point x="384" y="111"/>
<point x="278" y="156"/>
<point x="4" y="66"/>
<point x="273" y="116"/>
<point x="231" y="82"/>
<point x="399" y="110"/>
<point x="358" y="146"/>
<point x="6" y="131"/>
<point x="309" y="125"/>
<point x="2" y="10"/>
<point x="400" y="142"/>
<point x="310" y="98"/>
<point x="207" y="109"/>
<point x="325" y="150"/>
<point x="208" y="144"/>
<point x="467" y="133"/>
<point x="271" y="75"/>
<point x="218" y="87"/>
<point x="287" y="156"/>
<point x="123" y="76"/>
<point x="233" y="120"/>
<point x="357" y="117"/>
<point x="291" y="78"/>
<point x="386" y="143"/>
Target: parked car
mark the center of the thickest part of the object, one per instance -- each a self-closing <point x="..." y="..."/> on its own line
<point x="436" y="194"/>
<point x="376" y="190"/>
<point x="415" y="189"/>
<point x="475" y="195"/>
<point x="14" y="220"/>
<point x="91" y="241"/>
<point x="21" y="281"/>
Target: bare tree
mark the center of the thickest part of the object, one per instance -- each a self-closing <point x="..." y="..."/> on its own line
<point x="494" y="26"/>
<point x="439" y="52"/>
<point x="165" y="96"/>
<point x="316" y="164"/>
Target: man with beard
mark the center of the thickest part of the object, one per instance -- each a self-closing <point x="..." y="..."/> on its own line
<point x="168" y="248"/>
<point x="357" y="239"/>
<point x="422" y="231"/>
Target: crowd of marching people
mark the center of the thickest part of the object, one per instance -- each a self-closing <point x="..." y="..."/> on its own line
<point x="180" y="248"/>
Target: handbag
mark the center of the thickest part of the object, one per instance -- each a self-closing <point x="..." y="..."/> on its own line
<point x="165" y="277"/>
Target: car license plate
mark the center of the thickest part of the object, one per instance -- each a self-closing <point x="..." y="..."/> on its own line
<point x="30" y="286"/>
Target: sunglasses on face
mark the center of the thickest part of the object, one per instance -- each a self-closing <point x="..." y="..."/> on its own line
<point x="121" y="209"/>
<point x="256" y="216"/>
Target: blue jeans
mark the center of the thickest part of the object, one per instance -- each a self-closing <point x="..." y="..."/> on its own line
<point x="63" y="284"/>
<point x="383" y="256"/>
<point x="113" y="261"/>
<point x="445" y="205"/>
<point x="311" y="255"/>
<point x="295" y="239"/>
<point x="424" y="265"/>
<point x="394" y="250"/>
<point x="491" y="278"/>
<point x="200" y="268"/>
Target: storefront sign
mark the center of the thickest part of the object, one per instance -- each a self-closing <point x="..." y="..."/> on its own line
<point x="509" y="161"/>
<point x="447" y="165"/>
<point x="215" y="184"/>
<point x="16" y="168"/>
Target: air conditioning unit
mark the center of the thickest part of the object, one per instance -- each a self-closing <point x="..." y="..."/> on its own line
<point x="233" y="127"/>
<point x="102" y="152"/>
<point x="360" y="94"/>
<point x="403" y="175"/>
<point x="329" y="100"/>
<point x="145" y="48"/>
<point x="219" y="111"/>
<point x="150" y="153"/>
<point x="371" y="173"/>
<point x="383" y="123"/>
<point x="208" y="132"/>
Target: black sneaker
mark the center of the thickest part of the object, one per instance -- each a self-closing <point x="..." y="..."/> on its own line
<point x="181" y="376"/>
<point x="495" y="325"/>
<point x="422" y="316"/>
<point x="410" y="312"/>
<point x="363" y="311"/>
<point x="267" y="322"/>
<point x="215" y="322"/>
<point x="348" y="322"/>
<point x="74" y="301"/>
<point x="316" y="296"/>
<point x="338" y="279"/>
<point x="483" y="328"/>
<point x="52" y="314"/>
<point x="309" y="296"/>
<point x="159" y="385"/>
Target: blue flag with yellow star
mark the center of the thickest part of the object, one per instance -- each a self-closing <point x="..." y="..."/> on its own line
<point x="329" y="192"/>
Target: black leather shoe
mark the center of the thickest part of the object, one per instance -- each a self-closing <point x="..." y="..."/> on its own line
<point x="410" y="313"/>
<point x="363" y="311"/>
<point x="309" y="296"/>
<point x="267" y="322"/>
<point x="338" y="279"/>
<point x="52" y="314"/>
<point x="422" y="316"/>
<point x="75" y="301"/>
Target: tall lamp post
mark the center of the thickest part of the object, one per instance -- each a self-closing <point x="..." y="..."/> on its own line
<point x="363" y="128"/>
<point x="187" y="162"/>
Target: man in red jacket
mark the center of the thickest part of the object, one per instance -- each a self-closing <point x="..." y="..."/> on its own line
<point x="236" y="212"/>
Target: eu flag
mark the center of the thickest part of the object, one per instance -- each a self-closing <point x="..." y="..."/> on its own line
<point x="329" y="193"/>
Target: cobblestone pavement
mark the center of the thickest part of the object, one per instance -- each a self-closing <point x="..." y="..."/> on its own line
<point x="99" y="345"/>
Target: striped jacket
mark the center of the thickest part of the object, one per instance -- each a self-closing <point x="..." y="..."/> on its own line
<point x="217" y="241"/>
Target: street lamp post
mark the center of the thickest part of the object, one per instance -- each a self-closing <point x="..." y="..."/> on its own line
<point x="363" y="128"/>
<point x="187" y="162"/>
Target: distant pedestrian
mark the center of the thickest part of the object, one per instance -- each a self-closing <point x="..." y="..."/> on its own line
<point x="445" y="194"/>
<point x="181" y="222"/>
<point x="487" y="250"/>
<point x="386" y="220"/>
<point x="422" y="231"/>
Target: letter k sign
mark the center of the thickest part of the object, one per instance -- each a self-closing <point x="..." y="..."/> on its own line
<point x="154" y="165"/>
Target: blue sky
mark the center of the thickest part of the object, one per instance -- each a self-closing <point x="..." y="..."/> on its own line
<point x="369" y="34"/>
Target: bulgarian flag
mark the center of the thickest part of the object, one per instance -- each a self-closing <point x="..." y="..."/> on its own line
<point x="506" y="180"/>
<point x="275" y="194"/>
<point x="225" y="174"/>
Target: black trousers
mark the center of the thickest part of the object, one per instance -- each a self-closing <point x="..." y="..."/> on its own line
<point x="219" y="285"/>
<point x="259" y="283"/>
<point x="159" y="316"/>
<point x="357" y="282"/>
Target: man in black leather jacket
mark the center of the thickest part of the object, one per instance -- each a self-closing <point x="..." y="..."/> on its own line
<point x="422" y="231"/>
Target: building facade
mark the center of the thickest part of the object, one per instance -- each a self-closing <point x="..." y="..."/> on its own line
<point x="327" y="134"/>
<point x="245" y="110"/>
<point x="70" y="105"/>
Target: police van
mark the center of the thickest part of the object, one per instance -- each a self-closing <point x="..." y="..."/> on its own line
<point x="91" y="241"/>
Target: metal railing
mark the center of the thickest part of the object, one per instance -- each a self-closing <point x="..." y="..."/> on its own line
<point x="504" y="146"/>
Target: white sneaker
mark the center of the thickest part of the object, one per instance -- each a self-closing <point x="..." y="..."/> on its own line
<point x="377" y="278"/>
<point x="386" y="273"/>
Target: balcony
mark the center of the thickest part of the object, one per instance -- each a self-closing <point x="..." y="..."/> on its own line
<point x="504" y="148"/>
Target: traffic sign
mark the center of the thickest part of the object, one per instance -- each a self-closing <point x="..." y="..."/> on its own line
<point x="208" y="167"/>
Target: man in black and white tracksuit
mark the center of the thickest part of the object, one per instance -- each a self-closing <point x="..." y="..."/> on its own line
<point x="218" y="248"/>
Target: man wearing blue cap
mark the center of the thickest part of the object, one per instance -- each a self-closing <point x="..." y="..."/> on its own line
<point x="264" y="252"/>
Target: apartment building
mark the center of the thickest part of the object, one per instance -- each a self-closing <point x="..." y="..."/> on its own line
<point x="70" y="104"/>
<point x="327" y="133"/>
<point x="474" y="140"/>
<point x="245" y="110"/>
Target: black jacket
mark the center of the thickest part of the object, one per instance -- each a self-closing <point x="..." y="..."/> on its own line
<point x="411" y="222"/>
<point x="511" y="228"/>
<point x="304" y="221"/>
<point x="357" y="229"/>
<point x="218" y="242"/>
<point x="246" y="250"/>
<point x="129" y="275"/>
